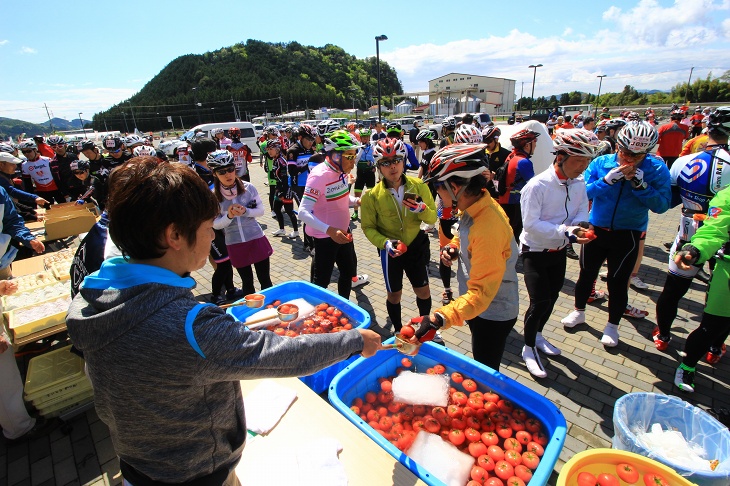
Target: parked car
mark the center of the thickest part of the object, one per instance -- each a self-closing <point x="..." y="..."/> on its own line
<point x="248" y="136"/>
<point x="539" y="114"/>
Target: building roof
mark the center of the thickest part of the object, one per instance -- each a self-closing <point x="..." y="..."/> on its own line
<point x="463" y="74"/>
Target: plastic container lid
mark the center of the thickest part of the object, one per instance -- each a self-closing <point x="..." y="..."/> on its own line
<point x="51" y="371"/>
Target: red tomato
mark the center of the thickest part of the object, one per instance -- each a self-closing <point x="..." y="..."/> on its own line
<point x="407" y="331"/>
<point x="469" y="412"/>
<point x="504" y="470"/>
<point x="469" y="385"/>
<point x="330" y="310"/>
<point x="504" y="431"/>
<point x="519" y="414"/>
<point x="505" y="406"/>
<point x="280" y="331"/>
<point x="439" y="369"/>
<point x="456" y="437"/>
<point x="590" y="234"/>
<point x="291" y="333"/>
<point x="454" y="411"/>
<point x="494" y="482"/>
<point x="474" y="483"/>
<point x="516" y="424"/>
<point x="515" y="481"/>
<point x="473" y="422"/>
<point x="385" y="397"/>
<point x="530" y="460"/>
<point x="479" y="474"/>
<point x="491" y="397"/>
<point x="523" y="437"/>
<point x="285" y="309"/>
<point x="321" y="313"/>
<point x="418" y="425"/>
<point x="488" y="426"/>
<point x="333" y="319"/>
<point x="432" y="425"/>
<point x="513" y="457"/>
<point x="512" y="444"/>
<point x="627" y="473"/>
<point x="337" y="313"/>
<point x="386" y="385"/>
<point x="586" y="479"/>
<point x="419" y="410"/>
<point x="490" y="406"/>
<point x="536" y="448"/>
<point x="523" y="472"/>
<point x="370" y="397"/>
<point x="477" y="449"/>
<point x="490" y="438"/>
<point x="407" y="363"/>
<point x="472" y="435"/>
<point x="496" y="453"/>
<point x="606" y="479"/>
<point x="540" y="438"/>
<point x="344" y="320"/>
<point x="457" y="377"/>
<point x="654" y="480"/>
<point x="475" y="403"/>
<point x="438" y="412"/>
<point x="458" y="423"/>
<point x="486" y="462"/>
<point x="401" y="247"/>
<point x="276" y="303"/>
<point x="532" y="425"/>
<point x="385" y="423"/>
<point x="459" y="398"/>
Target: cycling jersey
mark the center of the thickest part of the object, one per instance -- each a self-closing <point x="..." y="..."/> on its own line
<point x="43" y="172"/>
<point x="411" y="160"/>
<point x="298" y="164"/>
<point x="366" y="160"/>
<point x="245" y="227"/>
<point x="497" y="158"/>
<point x="699" y="177"/>
<point x="326" y="201"/>
<point x="694" y="145"/>
<point x="65" y="176"/>
<point x="551" y="210"/>
<point x="619" y="206"/>
<point x="110" y="163"/>
<point x="281" y="177"/>
<point x="447" y="140"/>
<point x="241" y="157"/>
<point x="671" y="136"/>
<point x="223" y="143"/>
<point x="519" y="171"/>
<point x="269" y="164"/>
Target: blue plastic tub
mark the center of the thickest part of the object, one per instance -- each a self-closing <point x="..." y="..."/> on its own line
<point x="314" y="295"/>
<point x="362" y="376"/>
<point x="636" y="412"/>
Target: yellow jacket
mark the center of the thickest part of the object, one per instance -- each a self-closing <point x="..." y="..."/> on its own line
<point x="483" y="266"/>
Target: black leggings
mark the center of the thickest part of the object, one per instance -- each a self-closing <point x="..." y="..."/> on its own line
<point x="620" y="248"/>
<point x="272" y="195"/>
<point x="308" y="240"/>
<point x="666" y="305"/>
<point x="488" y="339"/>
<point x="262" y="272"/>
<point x="222" y="277"/>
<point x="544" y="273"/>
<point x="712" y="329"/>
<point x="444" y="271"/>
<point x="514" y="214"/>
<point x="327" y="253"/>
<point x="289" y="209"/>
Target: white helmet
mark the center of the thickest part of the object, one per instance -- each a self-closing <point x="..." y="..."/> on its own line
<point x="215" y="131"/>
<point x="638" y="137"/>
<point x="144" y="151"/>
<point x="133" y="140"/>
<point x="467" y="134"/>
<point x="28" y="143"/>
<point x="576" y="141"/>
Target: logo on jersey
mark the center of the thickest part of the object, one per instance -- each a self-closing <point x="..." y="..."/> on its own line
<point x="714" y="212"/>
<point x="312" y="191"/>
<point x="693" y="171"/>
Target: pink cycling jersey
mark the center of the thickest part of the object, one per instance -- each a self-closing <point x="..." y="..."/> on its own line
<point x="326" y="201"/>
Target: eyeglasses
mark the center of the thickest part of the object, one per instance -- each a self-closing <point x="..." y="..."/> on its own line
<point x="227" y="170"/>
<point x="79" y="171"/>
<point x="349" y="157"/>
<point x="388" y="163"/>
<point x="28" y="151"/>
<point x="56" y="144"/>
<point x="114" y="151"/>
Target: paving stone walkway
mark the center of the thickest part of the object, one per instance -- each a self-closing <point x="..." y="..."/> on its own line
<point x="585" y="381"/>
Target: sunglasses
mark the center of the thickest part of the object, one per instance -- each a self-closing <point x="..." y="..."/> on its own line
<point x="79" y="171"/>
<point x="56" y="144"/>
<point x="114" y="151"/>
<point x="28" y="151"/>
<point x="227" y="170"/>
<point x="349" y="157"/>
<point x="388" y="163"/>
<point x="630" y="155"/>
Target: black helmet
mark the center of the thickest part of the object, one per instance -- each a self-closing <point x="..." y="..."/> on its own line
<point x="112" y="143"/>
<point x="88" y="145"/>
<point x="720" y="120"/>
<point x="79" y="165"/>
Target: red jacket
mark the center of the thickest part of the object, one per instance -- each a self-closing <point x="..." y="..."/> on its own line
<point x="671" y="137"/>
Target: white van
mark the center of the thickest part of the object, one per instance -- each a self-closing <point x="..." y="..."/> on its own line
<point x="248" y="136"/>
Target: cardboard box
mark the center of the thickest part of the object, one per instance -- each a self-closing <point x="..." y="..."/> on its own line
<point x="63" y="222"/>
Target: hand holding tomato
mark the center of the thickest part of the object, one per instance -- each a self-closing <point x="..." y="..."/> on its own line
<point x="407" y="332"/>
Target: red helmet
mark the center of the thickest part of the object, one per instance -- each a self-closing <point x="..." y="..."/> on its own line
<point x="234" y="132"/>
<point x="524" y="136"/>
<point x="463" y="160"/>
<point x="389" y="148"/>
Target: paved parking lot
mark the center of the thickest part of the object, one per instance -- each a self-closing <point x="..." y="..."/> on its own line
<point x="584" y="382"/>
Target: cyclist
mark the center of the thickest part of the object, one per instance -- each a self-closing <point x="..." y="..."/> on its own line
<point x="710" y="240"/>
<point x="325" y="211"/>
<point x="671" y="137"/>
<point x="694" y="189"/>
<point x="519" y="170"/>
<point x="40" y="174"/>
<point x="447" y="131"/>
<point x="486" y="253"/>
<point x="220" y="139"/>
<point x="118" y="154"/>
<point x="241" y="154"/>
<point x="279" y="187"/>
<point x="554" y="214"/>
<point x="624" y="187"/>
<point x="365" y="173"/>
<point x="297" y="157"/>
<point x="63" y="159"/>
<point x="425" y="140"/>
<point x="92" y="189"/>
<point x="392" y="213"/>
<point x="395" y="131"/>
<point x="8" y="166"/>
<point x="496" y="154"/>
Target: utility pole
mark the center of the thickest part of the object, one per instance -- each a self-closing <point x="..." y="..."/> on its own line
<point x="50" y="123"/>
<point x="235" y="115"/>
<point x="281" y="109"/>
<point x="522" y="90"/>
<point x="133" y="119"/>
<point x="686" y="91"/>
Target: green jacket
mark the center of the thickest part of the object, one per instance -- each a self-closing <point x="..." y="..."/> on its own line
<point x="384" y="219"/>
<point x="714" y="232"/>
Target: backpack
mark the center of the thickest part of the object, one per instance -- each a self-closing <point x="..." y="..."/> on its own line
<point x="500" y="178"/>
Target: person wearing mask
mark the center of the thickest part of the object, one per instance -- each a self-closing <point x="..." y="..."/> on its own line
<point x="392" y="213"/>
<point x="624" y="187"/>
<point x="519" y="171"/>
<point x="168" y="352"/>
<point x="554" y="214"/>
<point x="40" y="174"/>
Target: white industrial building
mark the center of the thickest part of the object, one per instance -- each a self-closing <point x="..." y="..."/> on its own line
<point x="456" y="93"/>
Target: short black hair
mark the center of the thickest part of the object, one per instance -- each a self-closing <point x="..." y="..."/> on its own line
<point x="588" y="119"/>
<point x="201" y="148"/>
<point x="468" y="119"/>
<point x="146" y="196"/>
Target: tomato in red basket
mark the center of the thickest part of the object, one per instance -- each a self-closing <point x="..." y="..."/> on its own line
<point x="627" y="472"/>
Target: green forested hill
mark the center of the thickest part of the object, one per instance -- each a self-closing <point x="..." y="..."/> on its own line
<point x="303" y="76"/>
<point x="11" y="128"/>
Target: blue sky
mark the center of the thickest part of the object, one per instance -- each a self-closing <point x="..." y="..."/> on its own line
<point x="84" y="56"/>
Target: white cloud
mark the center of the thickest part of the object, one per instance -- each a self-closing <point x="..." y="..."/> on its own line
<point x="726" y="28"/>
<point x="28" y="50"/>
<point x="3" y="42"/>
<point x="568" y="31"/>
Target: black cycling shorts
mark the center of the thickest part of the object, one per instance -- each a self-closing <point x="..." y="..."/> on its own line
<point x="414" y="262"/>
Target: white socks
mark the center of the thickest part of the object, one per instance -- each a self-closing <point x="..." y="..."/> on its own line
<point x="610" y="335"/>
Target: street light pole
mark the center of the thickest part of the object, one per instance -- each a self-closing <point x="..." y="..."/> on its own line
<point x="598" y="98"/>
<point x="534" y="75"/>
<point x="377" y="54"/>
<point x="125" y="121"/>
<point x="82" y="124"/>
<point x="197" y="105"/>
<point x="686" y="91"/>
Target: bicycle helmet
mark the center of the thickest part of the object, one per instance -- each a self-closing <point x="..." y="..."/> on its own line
<point x="326" y="126"/>
<point x="633" y="116"/>
<point x="272" y="130"/>
<point x="38" y="138"/>
<point x="307" y="131"/>
<point x="133" y="140"/>
<point x="340" y="141"/>
<point x="524" y="136"/>
<point x="27" y="144"/>
<point x="615" y="124"/>
<point x="464" y="160"/>
<point x="491" y="132"/>
<point x="215" y="131"/>
<point x="425" y="135"/>
<point x="275" y="143"/>
<point x="576" y="142"/>
<point x="676" y="115"/>
<point x="112" y="143"/>
<point x="288" y="129"/>
<point x="468" y="134"/>
<point x="79" y="165"/>
<point x="144" y="151"/>
<point x="351" y="126"/>
<point x="7" y="148"/>
<point x="365" y="133"/>
<point x="601" y="126"/>
<point x="56" y="140"/>
<point x="637" y="137"/>
<point x="389" y="148"/>
<point x="219" y="159"/>
<point x="720" y="120"/>
<point x="87" y="145"/>
<point x="393" y="127"/>
<point x="449" y="123"/>
<point x="234" y="132"/>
